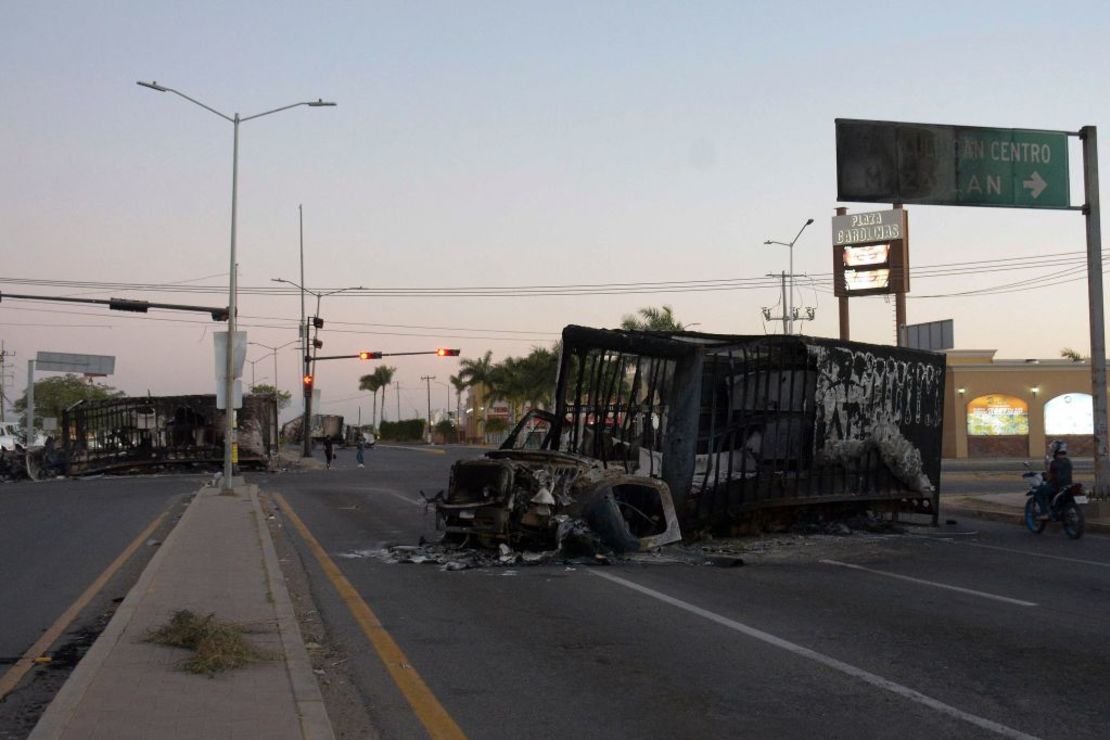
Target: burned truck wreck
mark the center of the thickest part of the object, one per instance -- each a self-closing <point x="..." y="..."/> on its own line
<point x="133" y="433"/>
<point x="650" y="432"/>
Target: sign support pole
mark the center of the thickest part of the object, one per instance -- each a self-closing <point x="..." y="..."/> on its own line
<point x="843" y="300"/>
<point x="1089" y="135"/>
<point x="30" y="404"/>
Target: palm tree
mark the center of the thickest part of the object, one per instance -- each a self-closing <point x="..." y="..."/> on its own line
<point x="370" y="383"/>
<point x="478" y="373"/>
<point x="384" y="374"/>
<point x="652" y="319"/>
<point x="459" y="385"/>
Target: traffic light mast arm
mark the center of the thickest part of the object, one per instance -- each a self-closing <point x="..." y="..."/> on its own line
<point x="123" y="304"/>
<point x="377" y="355"/>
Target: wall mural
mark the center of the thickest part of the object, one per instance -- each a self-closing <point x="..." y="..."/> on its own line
<point x="997" y="415"/>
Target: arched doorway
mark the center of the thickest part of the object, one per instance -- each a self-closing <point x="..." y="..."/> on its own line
<point x="997" y="426"/>
<point x="1070" y="417"/>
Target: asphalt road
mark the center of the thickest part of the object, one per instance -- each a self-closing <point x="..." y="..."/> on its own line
<point x="975" y="630"/>
<point x="56" y="538"/>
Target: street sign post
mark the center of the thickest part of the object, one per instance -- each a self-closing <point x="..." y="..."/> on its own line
<point x="889" y="162"/>
<point x="892" y="162"/>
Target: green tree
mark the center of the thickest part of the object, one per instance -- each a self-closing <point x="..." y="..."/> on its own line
<point x="283" y="397"/>
<point x="1072" y="354"/>
<point x="478" y="373"/>
<point x="384" y="374"/>
<point x="650" y="318"/>
<point x="371" y="384"/>
<point x="54" y="395"/>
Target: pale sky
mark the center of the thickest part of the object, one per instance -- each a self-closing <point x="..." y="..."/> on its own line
<point x="502" y="144"/>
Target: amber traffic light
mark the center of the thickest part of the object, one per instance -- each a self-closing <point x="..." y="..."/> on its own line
<point x="443" y="352"/>
<point x="308" y="381"/>
<point x="369" y="355"/>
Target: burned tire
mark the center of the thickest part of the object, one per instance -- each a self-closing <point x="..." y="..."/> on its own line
<point x="603" y="514"/>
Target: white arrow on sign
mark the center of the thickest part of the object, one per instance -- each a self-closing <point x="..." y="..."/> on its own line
<point x="1036" y="184"/>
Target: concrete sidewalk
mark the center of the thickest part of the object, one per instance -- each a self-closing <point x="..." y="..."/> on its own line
<point x="1010" y="507"/>
<point x="220" y="560"/>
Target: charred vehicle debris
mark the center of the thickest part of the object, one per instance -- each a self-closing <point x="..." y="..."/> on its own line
<point x="152" y="432"/>
<point x="656" y="433"/>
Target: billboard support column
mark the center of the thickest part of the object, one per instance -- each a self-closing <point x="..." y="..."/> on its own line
<point x="1089" y="135"/>
<point x="30" y="404"/>
<point x="843" y="300"/>
<point x="900" y="296"/>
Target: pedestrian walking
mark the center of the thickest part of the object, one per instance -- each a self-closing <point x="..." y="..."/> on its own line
<point x="329" y="450"/>
<point x="360" y="448"/>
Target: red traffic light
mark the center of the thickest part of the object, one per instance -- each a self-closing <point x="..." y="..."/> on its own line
<point x="369" y="355"/>
<point x="308" y="381"/>
<point x="443" y="352"/>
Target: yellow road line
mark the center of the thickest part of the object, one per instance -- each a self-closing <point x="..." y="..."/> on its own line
<point x="427" y="708"/>
<point x="15" y="674"/>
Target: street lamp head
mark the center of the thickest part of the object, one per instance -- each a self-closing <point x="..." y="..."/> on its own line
<point x="321" y="103"/>
<point x="809" y="222"/>
<point x="152" y="86"/>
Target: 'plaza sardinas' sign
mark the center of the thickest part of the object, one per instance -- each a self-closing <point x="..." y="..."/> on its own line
<point x="889" y="162"/>
<point x="869" y="228"/>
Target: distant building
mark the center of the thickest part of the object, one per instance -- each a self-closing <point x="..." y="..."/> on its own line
<point x="1014" y="408"/>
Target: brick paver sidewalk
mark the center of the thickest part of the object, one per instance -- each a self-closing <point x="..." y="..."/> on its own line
<point x="218" y="559"/>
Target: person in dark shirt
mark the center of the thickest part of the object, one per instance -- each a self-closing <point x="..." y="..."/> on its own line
<point x="329" y="450"/>
<point x="1057" y="479"/>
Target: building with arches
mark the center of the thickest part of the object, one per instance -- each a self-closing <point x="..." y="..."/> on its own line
<point x="1014" y="408"/>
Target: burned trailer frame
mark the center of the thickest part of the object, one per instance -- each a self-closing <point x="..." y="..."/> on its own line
<point x="148" y="431"/>
<point x="735" y="424"/>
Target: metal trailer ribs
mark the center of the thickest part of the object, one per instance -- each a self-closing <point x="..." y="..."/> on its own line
<point x="734" y="424"/>
<point x="123" y="433"/>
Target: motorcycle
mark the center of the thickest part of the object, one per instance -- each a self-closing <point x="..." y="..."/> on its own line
<point x="1063" y="508"/>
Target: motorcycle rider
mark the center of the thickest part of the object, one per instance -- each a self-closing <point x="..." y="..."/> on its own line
<point x="1057" y="478"/>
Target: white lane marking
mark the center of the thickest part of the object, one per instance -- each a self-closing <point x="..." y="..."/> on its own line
<point x="1035" y="554"/>
<point x="394" y="494"/>
<point x="934" y="584"/>
<point x="838" y="665"/>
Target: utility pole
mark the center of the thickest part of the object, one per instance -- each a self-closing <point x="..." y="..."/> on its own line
<point x="31" y="404"/>
<point x="789" y="313"/>
<point x="428" y="382"/>
<point x="4" y="354"/>
<point x="306" y="425"/>
<point x="398" y="386"/>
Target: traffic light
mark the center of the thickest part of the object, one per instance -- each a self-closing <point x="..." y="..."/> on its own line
<point x="369" y="355"/>
<point x="308" y="382"/>
<point x="318" y="343"/>
<point x="443" y="352"/>
<point x="317" y="322"/>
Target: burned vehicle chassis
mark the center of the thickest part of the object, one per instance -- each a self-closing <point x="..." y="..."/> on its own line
<point x="706" y="431"/>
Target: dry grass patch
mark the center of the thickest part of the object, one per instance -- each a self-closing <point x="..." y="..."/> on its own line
<point x="217" y="646"/>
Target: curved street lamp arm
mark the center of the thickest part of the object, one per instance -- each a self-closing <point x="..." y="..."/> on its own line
<point x="310" y="103"/>
<point x="163" y="88"/>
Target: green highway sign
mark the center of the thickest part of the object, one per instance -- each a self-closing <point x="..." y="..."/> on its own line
<point x="889" y="162"/>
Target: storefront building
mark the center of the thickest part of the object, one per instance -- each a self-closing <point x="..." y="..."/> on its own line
<point x="1014" y="408"/>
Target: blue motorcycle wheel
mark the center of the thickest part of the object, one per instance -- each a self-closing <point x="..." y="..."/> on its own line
<point x="1032" y="516"/>
<point x="1072" y="518"/>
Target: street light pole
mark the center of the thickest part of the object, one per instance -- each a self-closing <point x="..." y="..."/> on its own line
<point x="231" y="448"/>
<point x="789" y="311"/>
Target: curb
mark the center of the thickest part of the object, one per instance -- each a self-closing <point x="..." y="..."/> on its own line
<point x="1012" y="517"/>
<point x="315" y="724"/>
<point x="53" y="721"/>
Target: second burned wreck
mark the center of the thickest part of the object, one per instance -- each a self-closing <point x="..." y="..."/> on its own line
<point x="650" y="432"/>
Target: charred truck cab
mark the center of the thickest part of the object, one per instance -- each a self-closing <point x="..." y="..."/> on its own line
<point x="649" y="430"/>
